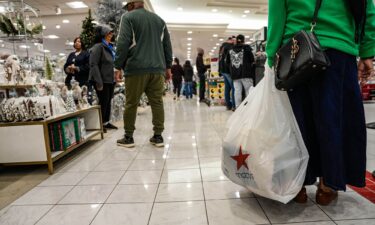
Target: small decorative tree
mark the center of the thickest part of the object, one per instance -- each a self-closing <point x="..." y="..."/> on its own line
<point x="48" y="69"/>
<point x="88" y="31"/>
<point x="110" y="12"/>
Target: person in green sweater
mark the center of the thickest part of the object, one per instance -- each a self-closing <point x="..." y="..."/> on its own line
<point x="329" y="110"/>
<point x="144" y="53"/>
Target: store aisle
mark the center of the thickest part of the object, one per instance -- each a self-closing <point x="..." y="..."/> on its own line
<point x="180" y="184"/>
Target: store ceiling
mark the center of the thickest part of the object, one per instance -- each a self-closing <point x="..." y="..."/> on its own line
<point x="203" y="17"/>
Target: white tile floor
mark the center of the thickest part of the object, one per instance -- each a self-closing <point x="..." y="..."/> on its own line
<point x="179" y="184"/>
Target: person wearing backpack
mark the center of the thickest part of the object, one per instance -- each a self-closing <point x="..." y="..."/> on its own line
<point x="329" y="109"/>
<point x="188" y="77"/>
<point x="225" y="72"/>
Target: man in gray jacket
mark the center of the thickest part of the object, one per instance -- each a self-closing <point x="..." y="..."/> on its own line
<point x="144" y="53"/>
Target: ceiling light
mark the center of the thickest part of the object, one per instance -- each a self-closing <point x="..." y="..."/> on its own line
<point x="215" y="48"/>
<point x="215" y="35"/>
<point x="248" y="42"/>
<point x="1" y="41"/>
<point x="230" y="11"/>
<point x="2" y="9"/>
<point x="3" y="45"/>
<point x="190" y="32"/>
<point x="52" y="36"/>
<point x="66" y="21"/>
<point x="180" y="9"/>
<point x="24" y="46"/>
<point x="247" y="11"/>
<point x="46" y="51"/>
<point x="76" y="5"/>
<point x="214" y="10"/>
<point x="58" y="10"/>
<point x="221" y="39"/>
<point x="247" y="36"/>
<point x="188" y="52"/>
<point x="44" y="27"/>
<point x="188" y="48"/>
<point x="244" y="16"/>
<point x="189" y="44"/>
<point x="217" y="44"/>
<point x="212" y="50"/>
<point x="62" y="54"/>
<point x="189" y="39"/>
<point x="58" y="26"/>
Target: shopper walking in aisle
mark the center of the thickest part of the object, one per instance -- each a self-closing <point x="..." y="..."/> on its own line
<point x="202" y="69"/>
<point x="241" y="62"/>
<point x="144" y="52"/>
<point x="188" y="77"/>
<point x="329" y="109"/>
<point x="77" y="64"/>
<point x="101" y="72"/>
<point x="177" y="74"/>
<point x="225" y="72"/>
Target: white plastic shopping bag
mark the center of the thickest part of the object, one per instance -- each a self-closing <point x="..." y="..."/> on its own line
<point x="264" y="150"/>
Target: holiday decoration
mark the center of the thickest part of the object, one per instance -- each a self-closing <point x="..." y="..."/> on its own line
<point x="48" y="70"/>
<point x="88" y="31"/>
<point x="18" y="28"/>
<point x="70" y="105"/>
<point x="118" y="104"/>
<point x="110" y="12"/>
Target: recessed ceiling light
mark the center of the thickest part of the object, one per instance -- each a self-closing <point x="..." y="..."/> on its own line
<point x="215" y="35"/>
<point x="52" y="36"/>
<point x="76" y="5"/>
<point x="62" y="54"/>
<point x="190" y="32"/>
<point x="248" y="42"/>
<point x="247" y="36"/>
<point x="1" y="41"/>
<point x="212" y="50"/>
<point x="189" y="44"/>
<point x="189" y="52"/>
<point x="214" y="10"/>
<point x="247" y="11"/>
<point x="221" y="39"/>
<point x="3" y="45"/>
<point x="189" y="48"/>
<point x="24" y="46"/>
<point x="244" y="16"/>
<point x="66" y="21"/>
<point x="215" y="48"/>
<point x="189" y="39"/>
<point x="46" y="51"/>
<point x="217" y="44"/>
<point x="44" y="27"/>
<point x="58" y="26"/>
<point x="180" y="9"/>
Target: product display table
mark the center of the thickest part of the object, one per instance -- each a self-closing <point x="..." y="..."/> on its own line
<point x="28" y="143"/>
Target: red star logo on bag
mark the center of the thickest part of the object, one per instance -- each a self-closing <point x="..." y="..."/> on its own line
<point x="241" y="159"/>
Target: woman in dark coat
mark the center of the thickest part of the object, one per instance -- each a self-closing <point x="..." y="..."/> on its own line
<point x="177" y="74"/>
<point x="77" y="65"/>
<point x="102" y="71"/>
<point x="188" y="77"/>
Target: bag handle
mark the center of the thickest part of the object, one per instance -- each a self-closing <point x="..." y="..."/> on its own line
<point x="315" y="18"/>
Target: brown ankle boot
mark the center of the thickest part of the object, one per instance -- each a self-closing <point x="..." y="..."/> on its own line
<point x="301" y="197"/>
<point x="324" y="197"/>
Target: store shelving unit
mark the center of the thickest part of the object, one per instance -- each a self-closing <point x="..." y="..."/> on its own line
<point x="28" y="143"/>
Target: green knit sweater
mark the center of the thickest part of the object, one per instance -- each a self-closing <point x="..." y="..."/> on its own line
<point x="335" y="26"/>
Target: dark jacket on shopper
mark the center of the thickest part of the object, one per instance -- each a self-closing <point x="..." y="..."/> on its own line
<point x="241" y="60"/>
<point x="200" y="65"/>
<point x="143" y="44"/>
<point x="177" y="73"/>
<point x="82" y="62"/>
<point x="101" y="64"/>
<point x="224" y="51"/>
<point x="188" y="73"/>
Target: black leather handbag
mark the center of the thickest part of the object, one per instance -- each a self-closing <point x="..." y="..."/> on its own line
<point x="302" y="58"/>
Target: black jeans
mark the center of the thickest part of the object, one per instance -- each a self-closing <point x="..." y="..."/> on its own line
<point x="177" y="85"/>
<point x="202" y="86"/>
<point x="105" y="100"/>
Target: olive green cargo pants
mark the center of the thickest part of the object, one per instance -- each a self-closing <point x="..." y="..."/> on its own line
<point x="153" y="86"/>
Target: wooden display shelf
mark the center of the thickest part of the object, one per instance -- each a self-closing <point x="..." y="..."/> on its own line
<point x="13" y="86"/>
<point x="28" y="143"/>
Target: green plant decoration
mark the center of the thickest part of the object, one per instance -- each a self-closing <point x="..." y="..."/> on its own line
<point x="88" y="31"/>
